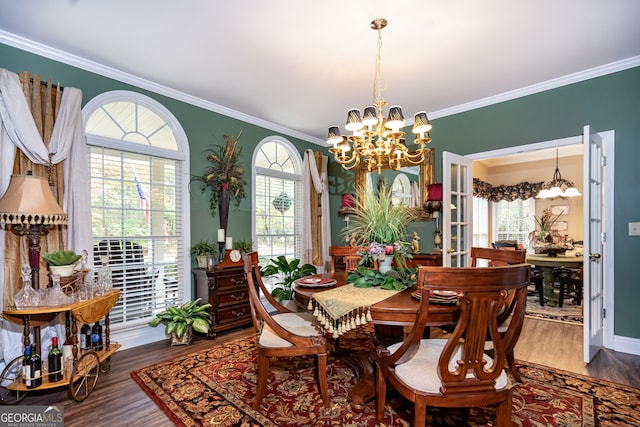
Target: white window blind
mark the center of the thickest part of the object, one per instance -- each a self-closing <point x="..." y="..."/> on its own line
<point x="513" y="220"/>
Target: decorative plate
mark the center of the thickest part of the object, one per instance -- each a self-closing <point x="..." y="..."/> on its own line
<point x="315" y="282"/>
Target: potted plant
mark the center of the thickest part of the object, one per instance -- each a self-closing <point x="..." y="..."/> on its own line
<point x="288" y="272"/>
<point x="180" y="321"/>
<point x="380" y="225"/>
<point x="62" y="262"/>
<point x="224" y="177"/>
<point x="202" y="251"/>
<point x="244" y="246"/>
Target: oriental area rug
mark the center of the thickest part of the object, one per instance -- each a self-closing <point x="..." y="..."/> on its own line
<point x="569" y="312"/>
<point x="216" y="387"/>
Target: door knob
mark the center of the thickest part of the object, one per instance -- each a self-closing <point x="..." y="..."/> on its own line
<point x="594" y="256"/>
<point x="450" y="251"/>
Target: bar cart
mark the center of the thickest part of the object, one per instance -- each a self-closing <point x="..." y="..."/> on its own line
<point x="86" y="366"/>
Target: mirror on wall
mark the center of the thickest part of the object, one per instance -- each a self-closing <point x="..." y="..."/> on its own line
<point x="422" y="174"/>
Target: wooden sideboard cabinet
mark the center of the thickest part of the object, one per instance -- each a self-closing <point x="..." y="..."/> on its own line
<point x="425" y="259"/>
<point x="228" y="295"/>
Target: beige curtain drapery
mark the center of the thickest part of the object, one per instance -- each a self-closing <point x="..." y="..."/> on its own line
<point x="56" y="121"/>
<point x="316" y="241"/>
<point x="43" y="100"/>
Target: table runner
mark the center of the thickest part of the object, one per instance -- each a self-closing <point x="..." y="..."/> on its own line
<point x="343" y="308"/>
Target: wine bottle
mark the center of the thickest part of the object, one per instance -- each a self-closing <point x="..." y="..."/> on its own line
<point x="85" y="337"/>
<point x="35" y="366"/>
<point x="26" y="368"/>
<point x="96" y="337"/>
<point x="55" y="361"/>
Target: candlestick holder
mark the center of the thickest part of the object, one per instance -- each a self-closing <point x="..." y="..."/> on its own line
<point x="220" y="251"/>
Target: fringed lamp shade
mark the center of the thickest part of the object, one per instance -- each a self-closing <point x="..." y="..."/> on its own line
<point x="29" y="209"/>
<point x="29" y="201"/>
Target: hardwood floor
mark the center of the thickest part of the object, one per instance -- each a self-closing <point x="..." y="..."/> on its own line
<point x="118" y="401"/>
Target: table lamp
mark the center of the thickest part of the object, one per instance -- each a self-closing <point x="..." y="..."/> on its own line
<point x="28" y="208"/>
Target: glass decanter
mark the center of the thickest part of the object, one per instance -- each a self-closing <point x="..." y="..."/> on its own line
<point x="56" y="294"/>
<point x="105" y="281"/>
<point x="27" y="296"/>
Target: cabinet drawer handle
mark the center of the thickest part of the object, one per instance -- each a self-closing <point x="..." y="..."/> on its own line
<point x="238" y="314"/>
<point x="237" y="297"/>
<point x="237" y="281"/>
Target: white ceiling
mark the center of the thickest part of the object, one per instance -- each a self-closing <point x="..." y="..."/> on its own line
<point x="297" y="66"/>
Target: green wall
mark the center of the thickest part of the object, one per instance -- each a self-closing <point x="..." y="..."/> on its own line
<point x="606" y="103"/>
<point x="611" y="102"/>
<point x="201" y="126"/>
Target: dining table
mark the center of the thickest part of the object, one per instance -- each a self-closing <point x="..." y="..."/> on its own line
<point x="389" y="317"/>
<point x="547" y="264"/>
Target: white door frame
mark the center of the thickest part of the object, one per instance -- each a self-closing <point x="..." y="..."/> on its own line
<point x="608" y="141"/>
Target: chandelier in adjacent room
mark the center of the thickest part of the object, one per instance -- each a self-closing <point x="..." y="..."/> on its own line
<point x="558" y="187"/>
<point x="375" y="140"/>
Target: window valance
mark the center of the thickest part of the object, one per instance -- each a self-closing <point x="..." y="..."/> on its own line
<point x="523" y="190"/>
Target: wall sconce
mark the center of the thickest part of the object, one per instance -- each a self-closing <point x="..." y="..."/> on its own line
<point x="28" y="208"/>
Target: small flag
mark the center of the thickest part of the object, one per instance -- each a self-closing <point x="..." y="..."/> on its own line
<point x="142" y="193"/>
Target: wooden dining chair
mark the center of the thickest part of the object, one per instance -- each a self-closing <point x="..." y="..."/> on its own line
<point x="456" y="372"/>
<point x="344" y="258"/>
<point x="283" y="334"/>
<point x="495" y="258"/>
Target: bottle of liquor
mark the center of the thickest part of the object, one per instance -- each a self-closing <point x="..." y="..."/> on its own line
<point x="26" y="368"/>
<point x="96" y="337"/>
<point x="35" y="366"/>
<point x="55" y="361"/>
<point x="85" y="337"/>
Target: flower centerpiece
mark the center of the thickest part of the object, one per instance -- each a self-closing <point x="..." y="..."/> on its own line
<point x="380" y="226"/>
<point x="542" y="238"/>
<point x="224" y="177"/>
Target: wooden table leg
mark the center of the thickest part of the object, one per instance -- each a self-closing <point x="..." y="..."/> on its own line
<point x="547" y="282"/>
<point x="362" y="363"/>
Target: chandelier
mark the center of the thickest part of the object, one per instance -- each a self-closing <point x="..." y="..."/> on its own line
<point x="558" y="187"/>
<point x="377" y="141"/>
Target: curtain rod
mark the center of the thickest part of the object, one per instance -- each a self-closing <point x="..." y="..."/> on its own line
<point x="43" y="83"/>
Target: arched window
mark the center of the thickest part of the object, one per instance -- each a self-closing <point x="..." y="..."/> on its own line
<point x="138" y="161"/>
<point x="277" y="197"/>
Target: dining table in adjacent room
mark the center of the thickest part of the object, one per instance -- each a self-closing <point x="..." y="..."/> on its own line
<point x="547" y="264"/>
<point x="389" y="317"/>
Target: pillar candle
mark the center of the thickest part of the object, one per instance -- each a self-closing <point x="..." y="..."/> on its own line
<point x="436" y="214"/>
<point x="220" y="234"/>
<point x="229" y="244"/>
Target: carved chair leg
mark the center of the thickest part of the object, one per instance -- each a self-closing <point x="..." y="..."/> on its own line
<point x="381" y="393"/>
<point x="511" y="361"/>
<point x="420" y="417"/>
<point x="504" y="412"/>
<point x="322" y="379"/>
<point x="263" y="376"/>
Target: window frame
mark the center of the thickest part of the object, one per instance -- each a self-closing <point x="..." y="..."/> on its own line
<point x="296" y="159"/>
<point x="138" y="332"/>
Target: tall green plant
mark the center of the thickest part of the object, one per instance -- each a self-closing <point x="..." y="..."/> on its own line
<point x="223" y="172"/>
<point x="377" y="219"/>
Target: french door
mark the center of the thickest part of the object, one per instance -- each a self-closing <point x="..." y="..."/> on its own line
<point x="457" y="212"/>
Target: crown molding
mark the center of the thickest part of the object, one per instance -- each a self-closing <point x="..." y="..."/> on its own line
<point x="94" y="67"/>
<point x="591" y="73"/>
